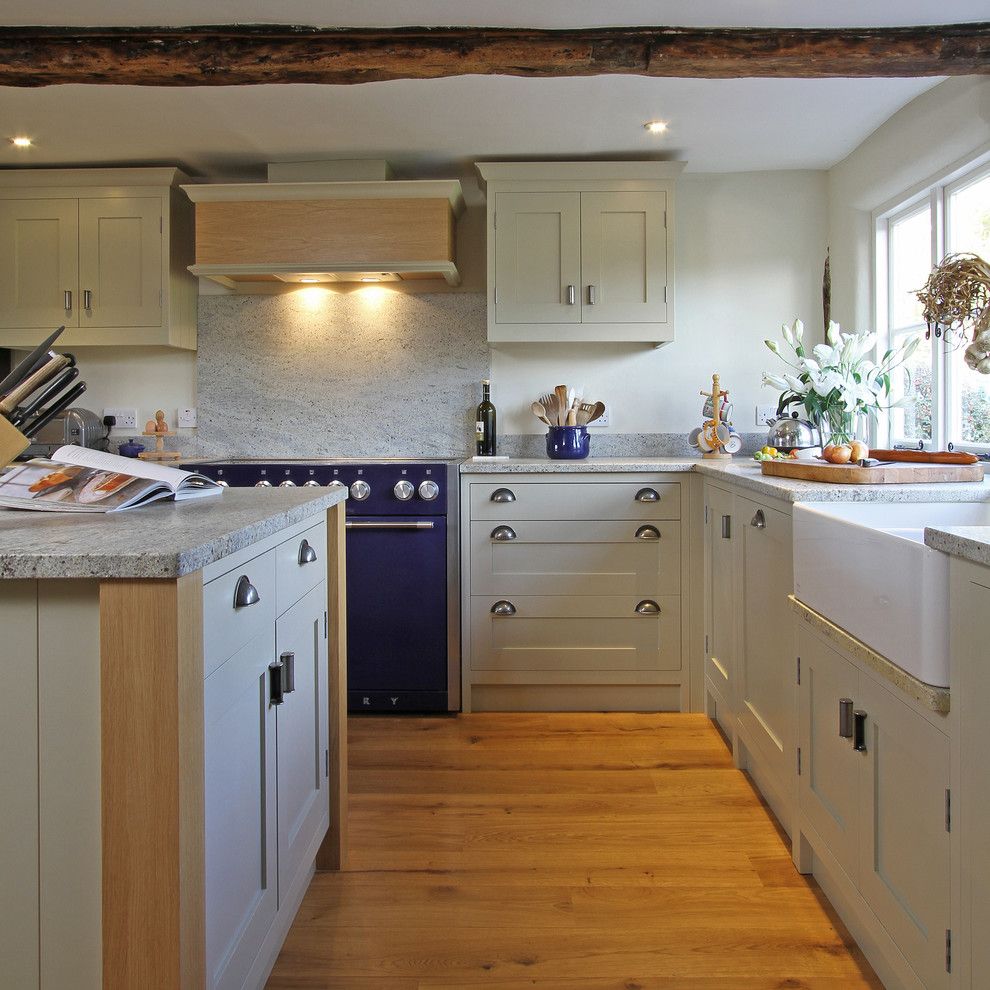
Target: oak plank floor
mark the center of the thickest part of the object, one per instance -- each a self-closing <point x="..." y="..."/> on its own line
<point x="561" y="852"/>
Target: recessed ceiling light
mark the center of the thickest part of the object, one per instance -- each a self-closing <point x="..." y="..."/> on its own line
<point x="656" y="126"/>
<point x="21" y="142"/>
<point x="309" y="280"/>
<point x="368" y="279"/>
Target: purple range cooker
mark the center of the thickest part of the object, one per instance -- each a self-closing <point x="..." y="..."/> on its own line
<point x="403" y="618"/>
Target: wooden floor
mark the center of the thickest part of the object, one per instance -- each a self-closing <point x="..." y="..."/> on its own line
<point x="561" y="852"/>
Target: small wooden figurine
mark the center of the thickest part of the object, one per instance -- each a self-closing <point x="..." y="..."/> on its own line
<point x="158" y="429"/>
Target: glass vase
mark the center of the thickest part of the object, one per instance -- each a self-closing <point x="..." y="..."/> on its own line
<point x="838" y="426"/>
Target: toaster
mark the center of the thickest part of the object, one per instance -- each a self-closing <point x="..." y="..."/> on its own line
<point x="74" y="425"/>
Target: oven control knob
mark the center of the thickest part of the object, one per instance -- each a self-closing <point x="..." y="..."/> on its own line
<point x="428" y="490"/>
<point x="264" y="483"/>
<point x="288" y="483"/>
<point x="404" y="490"/>
<point x="311" y="484"/>
<point x="360" y="490"/>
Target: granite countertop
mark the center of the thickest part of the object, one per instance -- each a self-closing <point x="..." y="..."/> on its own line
<point x="969" y="542"/>
<point x="162" y="540"/>
<point x="743" y="472"/>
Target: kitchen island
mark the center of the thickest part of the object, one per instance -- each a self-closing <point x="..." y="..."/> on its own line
<point x="147" y="656"/>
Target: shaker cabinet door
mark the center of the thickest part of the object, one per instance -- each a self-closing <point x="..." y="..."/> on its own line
<point x="120" y="262"/>
<point x="38" y="264"/>
<point x="303" y="790"/>
<point x="623" y="257"/>
<point x="241" y="851"/>
<point x="538" y="258"/>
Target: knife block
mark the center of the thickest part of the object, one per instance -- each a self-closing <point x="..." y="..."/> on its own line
<point x="12" y="442"/>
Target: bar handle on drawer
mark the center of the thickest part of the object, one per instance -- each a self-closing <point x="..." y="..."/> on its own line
<point x="647" y="495"/>
<point x="245" y="593"/>
<point x="648" y="607"/>
<point x="502" y="534"/>
<point x="503" y="608"/>
<point x="307" y="555"/>
<point x="276" y="685"/>
<point x="859" y="731"/>
<point x="502" y="495"/>
<point x="288" y="660"/>
<point x="647" y="533"/>
<point x="759" y="520"/>
<point x="726" y="527"/>
<point x="846" y="718"/>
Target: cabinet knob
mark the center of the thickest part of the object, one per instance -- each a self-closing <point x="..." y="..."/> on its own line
<point x="503" y="608"/>
<point x="648" y="607"/>
<point x="245" y="593"/>
<point x="307" y="555"/>
<point x="647" y="495"/>
<point x="647" y="533"/>
<point x="759" y="521"/>
<point x="502" y="534"/>
<point x="846" y="718"/>
<point x="288" y="672"/>
<point x="503" y="495"/>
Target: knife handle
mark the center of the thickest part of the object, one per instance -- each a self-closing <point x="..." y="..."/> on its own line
<point x="31" y="430"/>
<point x="34" y="381"/>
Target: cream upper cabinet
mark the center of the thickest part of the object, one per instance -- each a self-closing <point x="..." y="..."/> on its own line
<point x="580" y="251"/>
<point x="103" y="251"/>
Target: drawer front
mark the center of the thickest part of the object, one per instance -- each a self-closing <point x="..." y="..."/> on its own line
<point x="536" y="633"/>
<point x="300" y="565"/>
<point x="226" y="626"/>
<point x="575" y="558"/>
<point x="506" y="500"/>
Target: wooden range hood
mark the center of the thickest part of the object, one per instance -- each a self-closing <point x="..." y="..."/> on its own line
<point x="310" y="224"/>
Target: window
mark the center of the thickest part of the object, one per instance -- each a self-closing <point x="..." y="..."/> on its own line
<point x="944" y="401"/>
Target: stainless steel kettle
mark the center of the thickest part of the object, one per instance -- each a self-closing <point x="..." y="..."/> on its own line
<point x="789" y="433"/>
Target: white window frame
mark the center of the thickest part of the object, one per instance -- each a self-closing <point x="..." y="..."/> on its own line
<point x="935" y="193"/>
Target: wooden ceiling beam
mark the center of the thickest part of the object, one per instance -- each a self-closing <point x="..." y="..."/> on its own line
<point x="250" y="55"/>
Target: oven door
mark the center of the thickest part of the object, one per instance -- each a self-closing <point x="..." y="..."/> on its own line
<point x="397" y="614"/>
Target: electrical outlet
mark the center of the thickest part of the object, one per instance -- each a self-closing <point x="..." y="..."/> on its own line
<point x="765" y="413"/>
<point x="126" y="418"/>
<point x="187" y="417"/>
<point x="603" y="419"/>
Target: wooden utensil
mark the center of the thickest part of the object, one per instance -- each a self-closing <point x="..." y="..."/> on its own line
<point x="562" y="406"/>
<point x="549" y="403"/>
<point x="592" y="411"/>
<point x="539" y="411"/>
<point x="926" y="456"/>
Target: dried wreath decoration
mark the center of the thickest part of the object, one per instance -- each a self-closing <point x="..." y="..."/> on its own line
<point x="956" y="297"/>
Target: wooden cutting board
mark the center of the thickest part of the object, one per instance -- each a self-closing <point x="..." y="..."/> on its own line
<point x="885" y="474"/>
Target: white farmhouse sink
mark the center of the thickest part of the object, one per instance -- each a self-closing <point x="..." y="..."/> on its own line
<point x="865" y="566"/>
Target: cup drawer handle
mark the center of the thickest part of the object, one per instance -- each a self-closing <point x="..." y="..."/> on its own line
<point x="648" y="607"/>
<point x="503" y="534"/>
<point x="307" y="555"/>
<point x="245" y="593"/>
<point x="503" y="495"/>
<point x="647" y="533"/>
<point x="503" y="608"/>
<point x="647" y="495"/>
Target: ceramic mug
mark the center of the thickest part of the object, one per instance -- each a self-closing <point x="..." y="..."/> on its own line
<point x="568" y="443"/>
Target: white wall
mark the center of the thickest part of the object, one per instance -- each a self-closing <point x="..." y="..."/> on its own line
<point x="749" y="254"/>
<point x="935" y="133"/>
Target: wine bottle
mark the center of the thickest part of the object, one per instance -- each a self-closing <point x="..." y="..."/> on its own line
<point x="484" y="425"/>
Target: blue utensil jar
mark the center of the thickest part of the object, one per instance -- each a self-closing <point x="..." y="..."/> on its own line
<point x="568" y="443"/>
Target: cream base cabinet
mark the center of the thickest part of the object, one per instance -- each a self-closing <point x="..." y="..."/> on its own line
<point x="572" y="591"/>
<point x="720" y="608"/>
<point x="102" y="251"/>
<point x="266" y="752"/>
<point x="580" y="250"/>
<point x="873" y="793"/>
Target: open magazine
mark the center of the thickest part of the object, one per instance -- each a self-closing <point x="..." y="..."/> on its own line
<point x="79" y="479"/>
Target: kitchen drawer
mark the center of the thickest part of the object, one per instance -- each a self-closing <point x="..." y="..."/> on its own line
<point x="227" y="627"/>
<point x="594" y="634"/>
<point x="575" y="558"/>
<point x="574" y="500"/>
<point x="295" y="573"/>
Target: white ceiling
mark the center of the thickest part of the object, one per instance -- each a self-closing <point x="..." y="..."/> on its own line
<point x="439" y="126"/>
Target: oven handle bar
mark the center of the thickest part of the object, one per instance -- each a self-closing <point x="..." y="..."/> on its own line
<point x="358" y="524"/>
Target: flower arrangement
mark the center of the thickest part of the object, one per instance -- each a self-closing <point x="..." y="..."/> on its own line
<point x="839" y="380"/>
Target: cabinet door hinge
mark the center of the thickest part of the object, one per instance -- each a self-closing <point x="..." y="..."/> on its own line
<point x="665" y="293"/>
<point x="799" y="761"/>
<point x="160" y="298"/>
<point x="948" y="810"/>
<point x="706" y="645"/>
<point x="326" y="763"/>
<point x="948" y="950"/>
<point x="495" y="294"/>
<point x="799" y="670"/>
<point x="161" y="225"/>
<point x="494" y="221"/>
<point x="664" y="219"/>
<point x="324" y="623"/>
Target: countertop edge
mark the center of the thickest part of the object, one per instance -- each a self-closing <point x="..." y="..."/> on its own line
<point x="970" y="543"/>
